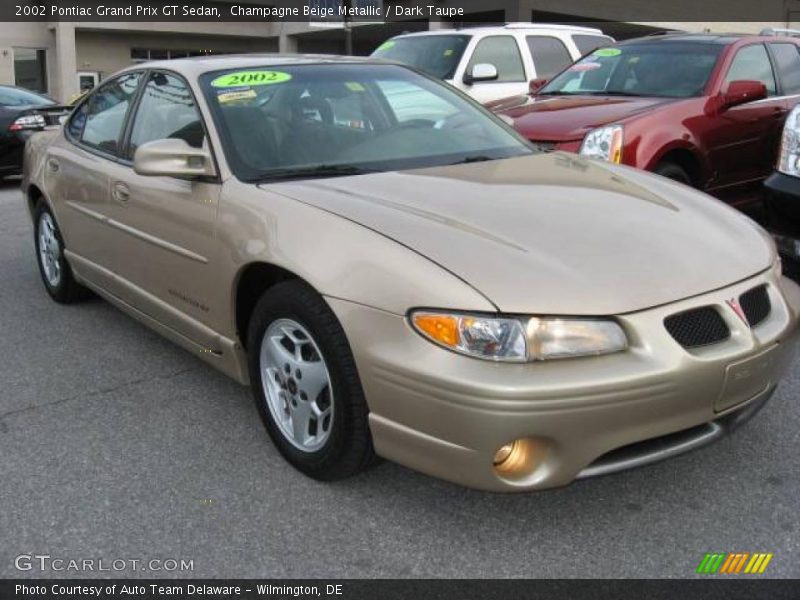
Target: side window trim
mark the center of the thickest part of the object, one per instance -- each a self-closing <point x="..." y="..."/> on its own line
<point x="519" y="55"/>
<point x="93" y="149"/>
<point x="128" y="128"/>
<point x="134" y="109"/>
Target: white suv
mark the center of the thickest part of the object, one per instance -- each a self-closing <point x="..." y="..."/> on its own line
<point x="490" y="63"/>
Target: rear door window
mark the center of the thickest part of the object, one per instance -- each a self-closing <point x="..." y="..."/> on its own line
<point x="549" y="54"/>
<point x="502" y="52"/>
<point x="787" y="59"/>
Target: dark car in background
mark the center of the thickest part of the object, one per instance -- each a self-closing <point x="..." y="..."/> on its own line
<point x="783" y="195"/>
<point x="784" y="184"/>
<point x="23" y="113"/>
<point x="703" y="109"/>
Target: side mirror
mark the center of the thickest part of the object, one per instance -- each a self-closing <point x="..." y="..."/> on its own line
<point x="743" y="91"/>
<point x="481" y="72"/>
<point x="173" y="158"/>
<point x="536" y="84"/>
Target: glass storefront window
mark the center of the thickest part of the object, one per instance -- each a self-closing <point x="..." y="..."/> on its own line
<point x="30" y="70"/>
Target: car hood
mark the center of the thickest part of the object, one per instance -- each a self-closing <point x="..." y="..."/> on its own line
<point x="553" y="233"/>
<point x="566" y="118"/>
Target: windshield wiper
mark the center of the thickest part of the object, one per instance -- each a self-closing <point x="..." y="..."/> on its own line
<point x="473" y="159"/>
<point x="558" y="93"/>
<point x="315" y="172"/>
<point x="616" y="93"/>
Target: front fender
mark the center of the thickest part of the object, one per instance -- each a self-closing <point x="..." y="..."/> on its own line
<point x="338" y="257"/>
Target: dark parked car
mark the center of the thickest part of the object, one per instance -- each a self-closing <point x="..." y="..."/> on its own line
<point x="783" y="197"/>
<point x="22" y="113"/>
<point x="784" y="184"/>
<point x="706" y="110"/>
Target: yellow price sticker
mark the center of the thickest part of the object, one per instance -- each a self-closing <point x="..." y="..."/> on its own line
<point x="250" y="78"/>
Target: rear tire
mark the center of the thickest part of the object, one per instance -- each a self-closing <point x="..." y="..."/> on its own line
<point x="54" y="269"/>
<point x="305" y="384"/>
<point x="672" y="171"/>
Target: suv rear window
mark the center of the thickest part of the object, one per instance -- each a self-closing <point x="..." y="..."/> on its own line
<point x="787" y="59"/>
<point x="549" y="55"/>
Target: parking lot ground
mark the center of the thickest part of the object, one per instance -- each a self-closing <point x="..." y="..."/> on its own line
<point x="115" y="444"/>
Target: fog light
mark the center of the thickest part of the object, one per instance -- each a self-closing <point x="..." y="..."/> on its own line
<point x="504" y="453"/>
<point x="519" y="461"/>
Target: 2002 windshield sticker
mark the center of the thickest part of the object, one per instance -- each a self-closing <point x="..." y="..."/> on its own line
<point x="250" y="78"/>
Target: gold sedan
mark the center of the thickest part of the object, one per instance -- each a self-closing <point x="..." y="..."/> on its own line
<point x="397" y="273"/>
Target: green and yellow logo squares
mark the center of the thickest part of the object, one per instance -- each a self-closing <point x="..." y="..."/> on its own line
<point x="734" y="563"/>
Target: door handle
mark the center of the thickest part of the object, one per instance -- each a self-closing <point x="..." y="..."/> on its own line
<point x="120" y="192"/>
<point x="52" y="165"/>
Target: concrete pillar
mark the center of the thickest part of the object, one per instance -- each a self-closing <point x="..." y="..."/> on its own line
<point x="6" y="65"/>
<point x="436" y="23"/>
<point x="66" y="62"/>
<point x="287" y="44"/>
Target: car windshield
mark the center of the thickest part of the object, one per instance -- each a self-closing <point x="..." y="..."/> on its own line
<point x="280" y="122"/>
<point x="10" y="96"/>
<point x="437" y="55"/>
<point x="659" y="68"/>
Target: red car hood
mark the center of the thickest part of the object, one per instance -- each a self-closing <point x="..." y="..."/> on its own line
<point x="565" y="118"/>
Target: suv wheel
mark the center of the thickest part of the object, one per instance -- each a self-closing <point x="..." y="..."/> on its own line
<point x="306" y="385"/>
<point x="53" y="267"/>
<point x="674" y="172"/>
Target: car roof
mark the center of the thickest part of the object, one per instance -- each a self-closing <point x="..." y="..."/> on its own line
<point x="722" y="39"/>
<point x="197" y="65"/>
<point x="497" y="29"/>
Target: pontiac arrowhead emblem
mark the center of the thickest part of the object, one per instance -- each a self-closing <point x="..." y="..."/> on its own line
<point x="737" y="308"/>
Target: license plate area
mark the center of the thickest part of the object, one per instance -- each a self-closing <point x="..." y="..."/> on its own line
<point x="747" y="379"/>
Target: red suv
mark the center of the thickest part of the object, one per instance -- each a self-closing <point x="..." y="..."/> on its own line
<point x="703" y="109"/>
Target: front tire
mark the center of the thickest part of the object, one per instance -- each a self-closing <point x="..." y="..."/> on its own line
<point x="305" y="384"/>
<point x="53" y="266"/>
<point x="674" y="172"/>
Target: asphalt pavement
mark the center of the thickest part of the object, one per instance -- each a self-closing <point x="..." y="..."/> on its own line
<point x="117" y="445"/>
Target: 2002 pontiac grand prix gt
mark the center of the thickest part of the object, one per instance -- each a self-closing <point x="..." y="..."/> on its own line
<point x="398" y="274"/>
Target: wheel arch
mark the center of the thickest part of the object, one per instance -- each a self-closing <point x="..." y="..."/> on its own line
<point x="687" y="158"/>
<point x="32" y="196"/>
<point x="251" y="283"/>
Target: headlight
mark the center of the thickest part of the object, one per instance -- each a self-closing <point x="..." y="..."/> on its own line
<point x="777" y="267"/>
<point x="604" y="143"/>
<point x="789" y="160"/>
<point x="519" y="339"/>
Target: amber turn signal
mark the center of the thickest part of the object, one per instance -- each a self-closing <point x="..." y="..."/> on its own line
<point x="441" y="328"/>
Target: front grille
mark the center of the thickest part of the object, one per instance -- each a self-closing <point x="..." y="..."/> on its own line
<point x="697" y="327"/>
<point x="545" y="146"/>
<point x="756" y="305"/>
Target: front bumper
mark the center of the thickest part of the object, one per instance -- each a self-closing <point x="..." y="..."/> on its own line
<point x="447" y="415"/>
